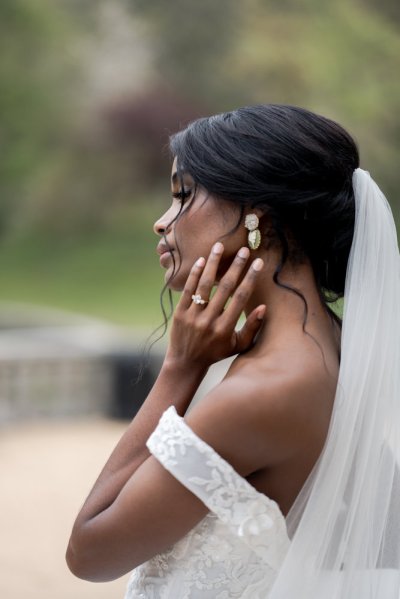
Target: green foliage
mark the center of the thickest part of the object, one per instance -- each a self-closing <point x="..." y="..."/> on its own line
<point x="72" y="179"/>
<point x="190" y="38"/>
<point x="338" y="59"/>
<point x="32" y="68"/>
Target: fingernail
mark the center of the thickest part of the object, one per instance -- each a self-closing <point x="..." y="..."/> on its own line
<point x="218" y="248"/>
<point x="261" y="313"/>
<point x="243" y="252"/>
<point x="200" y="262"/>
<point x="258" y="264"/>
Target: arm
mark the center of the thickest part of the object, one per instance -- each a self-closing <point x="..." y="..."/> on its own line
<point x="153" y="510"/>
<point x="114" y="530"/>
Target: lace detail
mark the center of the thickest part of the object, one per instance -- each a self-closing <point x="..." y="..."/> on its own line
<point x="235" y="551"/>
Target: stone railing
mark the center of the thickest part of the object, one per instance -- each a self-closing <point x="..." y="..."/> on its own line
<point x="69" y="369"/>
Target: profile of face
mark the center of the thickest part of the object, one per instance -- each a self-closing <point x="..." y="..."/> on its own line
<point x="190" y="230"/>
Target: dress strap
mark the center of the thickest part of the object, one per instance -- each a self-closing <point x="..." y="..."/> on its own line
<point x="251" y="515"/>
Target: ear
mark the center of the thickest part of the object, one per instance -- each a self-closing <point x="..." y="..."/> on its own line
<point x="259" y="211"/>
<point x="256" y="210"/>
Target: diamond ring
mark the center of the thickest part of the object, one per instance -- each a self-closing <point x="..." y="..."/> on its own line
<point x="198" y="299"/>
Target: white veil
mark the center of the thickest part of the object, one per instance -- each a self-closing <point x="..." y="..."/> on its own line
<point x="345" y="524"/>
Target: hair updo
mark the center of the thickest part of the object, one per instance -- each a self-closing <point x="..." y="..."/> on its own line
<point x="292" y="164"/>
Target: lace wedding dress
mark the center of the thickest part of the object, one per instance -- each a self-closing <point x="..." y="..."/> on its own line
<point x="235" y="551"/>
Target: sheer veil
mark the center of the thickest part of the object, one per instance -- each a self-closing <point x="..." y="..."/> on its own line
<point x="345" y="524"/>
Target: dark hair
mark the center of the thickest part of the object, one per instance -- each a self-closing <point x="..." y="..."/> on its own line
<point x="297" y="167"/>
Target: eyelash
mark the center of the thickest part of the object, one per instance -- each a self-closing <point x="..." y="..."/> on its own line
<point x="181" y="195"/>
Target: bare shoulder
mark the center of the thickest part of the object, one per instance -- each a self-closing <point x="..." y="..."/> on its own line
<point x="263" y="413"/>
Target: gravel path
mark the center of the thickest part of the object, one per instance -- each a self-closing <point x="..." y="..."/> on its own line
<point x="47" y="469"/>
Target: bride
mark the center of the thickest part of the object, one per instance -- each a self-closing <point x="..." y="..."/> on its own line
<point x="282" y="482"/>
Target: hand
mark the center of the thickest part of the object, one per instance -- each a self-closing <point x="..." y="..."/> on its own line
<point x="205" y="334"/>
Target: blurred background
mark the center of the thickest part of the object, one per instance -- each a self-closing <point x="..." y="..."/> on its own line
<point x="89" y="92"/>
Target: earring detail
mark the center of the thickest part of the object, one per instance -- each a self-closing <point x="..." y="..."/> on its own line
<point x="254" y="236"/>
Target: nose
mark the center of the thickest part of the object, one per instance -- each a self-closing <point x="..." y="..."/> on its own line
<point x="159" y="227"/>
<point x="162" y="226"/>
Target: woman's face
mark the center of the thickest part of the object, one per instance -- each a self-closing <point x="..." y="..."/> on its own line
<point x="202" y="221"/>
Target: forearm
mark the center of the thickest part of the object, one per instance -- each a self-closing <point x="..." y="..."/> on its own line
<point x="200" y="336"/>
<point x="175" y="385"/>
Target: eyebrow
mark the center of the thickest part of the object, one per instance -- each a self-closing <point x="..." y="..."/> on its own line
<point x="177" y="177"/>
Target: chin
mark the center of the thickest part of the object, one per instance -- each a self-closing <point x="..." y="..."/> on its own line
<point x="177" y="283"/>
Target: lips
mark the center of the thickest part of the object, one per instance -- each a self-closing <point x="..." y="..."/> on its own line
<point x="162" y="248"/>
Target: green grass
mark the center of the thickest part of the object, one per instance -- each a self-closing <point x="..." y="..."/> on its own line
<point x="114" y="275"/>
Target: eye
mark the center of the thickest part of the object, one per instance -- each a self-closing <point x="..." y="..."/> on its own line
<point x="181" y="195"/>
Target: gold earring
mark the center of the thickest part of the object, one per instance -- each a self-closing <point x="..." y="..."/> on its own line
<point x="254" y="236"/>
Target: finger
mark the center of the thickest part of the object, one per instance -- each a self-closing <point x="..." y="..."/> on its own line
<point x="229" y="281"/>
<point x="208" y="276"/>
<point x="242" y="294"/>
<point x="191" y="284"/>
<point x="245" y="337"/>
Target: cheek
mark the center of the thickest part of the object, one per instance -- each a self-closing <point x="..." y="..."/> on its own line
<point x="198" y="230"/>
<point x="194" y="239"/>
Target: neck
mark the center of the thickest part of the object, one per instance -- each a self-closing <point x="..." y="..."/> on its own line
<point x="286" y="309"/>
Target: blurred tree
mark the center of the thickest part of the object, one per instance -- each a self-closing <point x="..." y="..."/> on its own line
<point x="34" y="71"/>
<point x="388" y="9"/>
<point x="338" y="59"/>
<point x="141" y="125"/>
<point x="81" y="132"/>
<point x="90" y="90"/>
<point x="341" y="59"/>
<point x="192" y="40"/>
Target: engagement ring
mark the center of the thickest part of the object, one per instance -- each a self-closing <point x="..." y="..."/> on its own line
<point x="198" y="299"/>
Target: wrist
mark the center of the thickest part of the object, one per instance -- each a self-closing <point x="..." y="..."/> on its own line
<point x="179" y="381"/>
<point x="185" y="368"/>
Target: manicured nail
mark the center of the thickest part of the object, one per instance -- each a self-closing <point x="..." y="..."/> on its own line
<point x="261" y="312"/>
<point x="258" y="264"/>
<point x="218" y="248"/>
<point x="244" y="252"/>
<point x="200" y="261"/>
